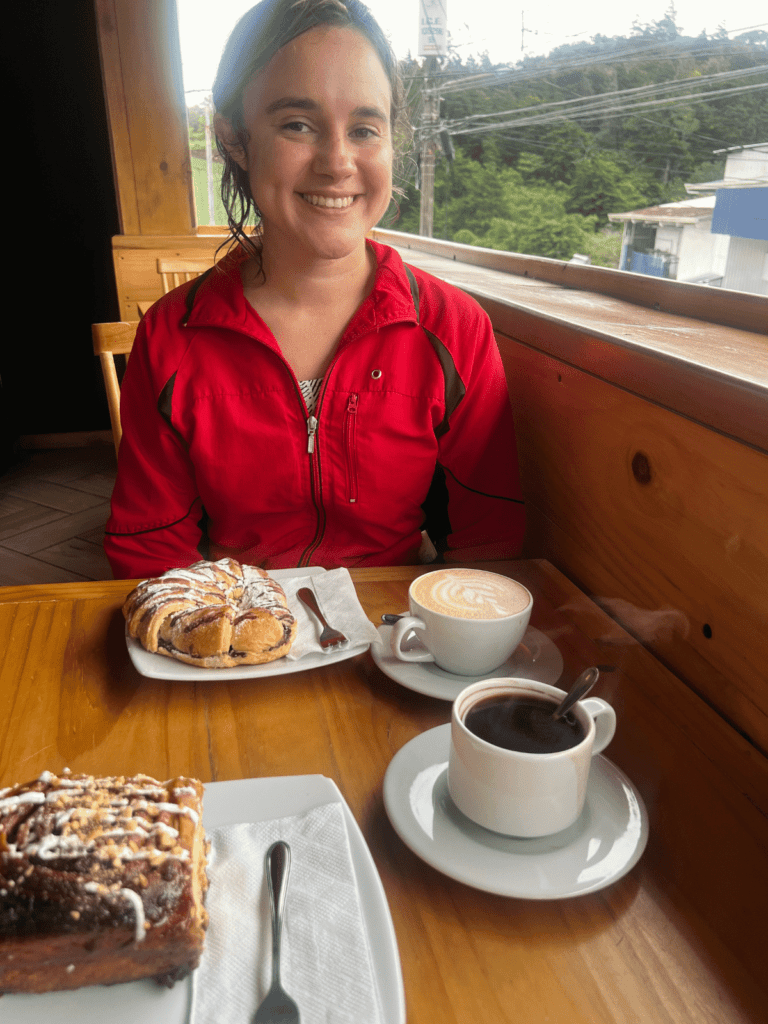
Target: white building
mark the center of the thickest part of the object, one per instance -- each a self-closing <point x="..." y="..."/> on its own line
<point x="717" y="239"/>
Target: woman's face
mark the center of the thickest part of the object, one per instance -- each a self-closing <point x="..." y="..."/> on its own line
<point x="319" y="159"/>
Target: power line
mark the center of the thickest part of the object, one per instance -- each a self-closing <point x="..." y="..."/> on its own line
<point x="511" y="76"/>
<point x="504" y="74"/>
<point x="611" y="111"/>
<point x="593" y="103"/>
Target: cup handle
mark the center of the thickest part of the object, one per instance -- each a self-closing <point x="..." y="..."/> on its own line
<point x="605" y="722"/>
<point x="400" y="629"/>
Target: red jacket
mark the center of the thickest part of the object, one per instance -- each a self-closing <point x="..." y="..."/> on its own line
<point x="219" y="456"/>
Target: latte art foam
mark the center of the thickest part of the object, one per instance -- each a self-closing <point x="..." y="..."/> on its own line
<point x="470" y="594"/>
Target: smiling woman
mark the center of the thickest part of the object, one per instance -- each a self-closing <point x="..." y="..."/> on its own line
<point x="273" y="36"/>
<point x="293" y="406"/>
<point x="319" y="165"/>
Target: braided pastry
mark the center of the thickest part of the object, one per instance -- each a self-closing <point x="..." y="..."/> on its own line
<point x="213" y="615"/>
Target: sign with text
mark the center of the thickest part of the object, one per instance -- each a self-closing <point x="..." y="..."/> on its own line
<point x="433" y="28"/>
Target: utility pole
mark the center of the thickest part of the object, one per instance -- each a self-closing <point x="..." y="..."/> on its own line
<point x="207" y="103"/>
<point x="433" y="43"/>
<point x="523" y="30"/>
<point x="430" y="118"/>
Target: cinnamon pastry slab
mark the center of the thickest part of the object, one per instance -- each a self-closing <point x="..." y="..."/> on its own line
<point x="102" y="881"/>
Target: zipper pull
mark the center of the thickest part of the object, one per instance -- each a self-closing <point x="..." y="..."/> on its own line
<point x="311" y="430"/>
<point x="352" y="403"/>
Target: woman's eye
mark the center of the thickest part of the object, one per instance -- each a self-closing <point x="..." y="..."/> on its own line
<point x="364" y="133"/>
<point x="296" y="126"/>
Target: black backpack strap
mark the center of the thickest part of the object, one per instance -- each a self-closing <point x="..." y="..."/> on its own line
<point x="435" y="505"/>
<point x="453" y="385"/>
<point x="414" y="285"/>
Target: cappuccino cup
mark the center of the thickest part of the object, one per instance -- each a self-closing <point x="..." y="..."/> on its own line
<point x="515" y="770"/>
<point x="468" y="620"/>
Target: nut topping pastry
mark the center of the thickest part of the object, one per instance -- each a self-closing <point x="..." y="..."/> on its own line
<point x="102" y="880"/>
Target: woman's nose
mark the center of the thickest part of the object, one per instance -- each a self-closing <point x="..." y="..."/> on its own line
<point x="335" y="155"/>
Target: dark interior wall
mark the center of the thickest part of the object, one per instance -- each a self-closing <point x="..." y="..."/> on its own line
<point x="62" y="212"/>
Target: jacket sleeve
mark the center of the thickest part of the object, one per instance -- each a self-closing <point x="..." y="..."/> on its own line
<point x="479" y="454"/>
<point x="156" y="510"/>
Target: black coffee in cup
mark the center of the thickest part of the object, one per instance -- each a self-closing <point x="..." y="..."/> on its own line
<point x="524" y="723"/>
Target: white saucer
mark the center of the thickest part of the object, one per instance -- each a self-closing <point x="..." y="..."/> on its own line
<point x="604" y="844"/>
<point x="536" y="658"/>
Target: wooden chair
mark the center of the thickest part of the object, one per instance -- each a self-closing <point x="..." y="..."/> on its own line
<point x="110" y="340"/>
<point x="176" y="271"/>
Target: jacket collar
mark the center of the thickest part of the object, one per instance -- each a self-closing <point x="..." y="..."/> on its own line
<point x="219" y="300"/>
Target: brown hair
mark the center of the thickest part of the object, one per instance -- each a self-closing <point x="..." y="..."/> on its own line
<point x="256" y="38"/>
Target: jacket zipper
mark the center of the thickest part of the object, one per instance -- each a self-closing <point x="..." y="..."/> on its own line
<point x="311" y="431"/>
<point x="316" y="488"/>
<point x="317" y="493"/>
<point x="350" y="425"/>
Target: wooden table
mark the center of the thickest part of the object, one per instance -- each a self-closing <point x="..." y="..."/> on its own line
<point x="682" y="938"/>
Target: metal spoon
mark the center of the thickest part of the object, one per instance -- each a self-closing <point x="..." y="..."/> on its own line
<point x="580" y="689"/>
<point x="277" y="1004"/>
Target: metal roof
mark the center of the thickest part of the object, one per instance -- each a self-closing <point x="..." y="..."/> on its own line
<point x="713" y="186"/>
<point x="691" y="211"/>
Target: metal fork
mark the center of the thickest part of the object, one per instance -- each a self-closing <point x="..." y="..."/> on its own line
<point x="277" y="1005"/>
<point x="329" y="637"/>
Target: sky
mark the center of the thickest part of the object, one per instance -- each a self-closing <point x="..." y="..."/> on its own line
<point x="475" y="26"/>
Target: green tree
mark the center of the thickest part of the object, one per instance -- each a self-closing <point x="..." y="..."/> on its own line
<point x="196" y="128"/>
<point x="531" y="167"/>
<point x="600" y="187"/>
<point x="535" y="223"/>
<point x="664" y="29"/>
<point x="564" y="144"/>
<point x="467" y="193"/>
<point x="708" y="170"/>
<point x="663" y="145"/>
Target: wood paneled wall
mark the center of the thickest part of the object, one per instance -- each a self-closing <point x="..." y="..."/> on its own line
<point x="661" y="519"/>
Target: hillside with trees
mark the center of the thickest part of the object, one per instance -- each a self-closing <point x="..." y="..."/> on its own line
<point x="546" y="149"/>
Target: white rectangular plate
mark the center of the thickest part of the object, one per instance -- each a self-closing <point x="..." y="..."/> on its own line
<point x="229" y="803"/>
<point x="158" y="666"/>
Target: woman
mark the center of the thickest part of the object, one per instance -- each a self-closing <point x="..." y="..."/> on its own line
<point x="291" y="407"/>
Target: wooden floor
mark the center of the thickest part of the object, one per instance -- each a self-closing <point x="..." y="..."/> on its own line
<point x="53" y="509"/>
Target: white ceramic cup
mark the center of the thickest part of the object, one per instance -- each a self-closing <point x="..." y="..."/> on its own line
<point x="516" y="793"/>
<point x="462" y="641"/>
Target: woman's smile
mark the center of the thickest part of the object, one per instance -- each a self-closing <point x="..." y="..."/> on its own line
<point x="329" y="202"/>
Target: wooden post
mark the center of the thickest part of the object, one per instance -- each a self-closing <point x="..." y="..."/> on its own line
<point x="141" y="70"/>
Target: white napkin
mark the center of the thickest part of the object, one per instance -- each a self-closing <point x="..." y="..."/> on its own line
<point x="325" y="963"/>
<point x="338" y="601"/>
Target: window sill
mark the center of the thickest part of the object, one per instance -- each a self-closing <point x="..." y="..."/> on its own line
<point x="662" y="340"/>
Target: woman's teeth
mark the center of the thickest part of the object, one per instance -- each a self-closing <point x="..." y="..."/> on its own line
<point x="337" y="204"/>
